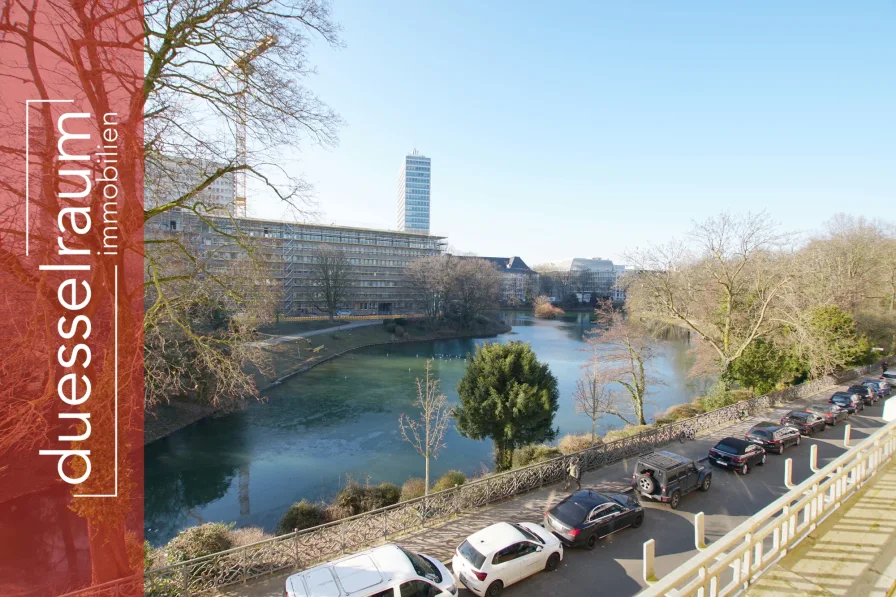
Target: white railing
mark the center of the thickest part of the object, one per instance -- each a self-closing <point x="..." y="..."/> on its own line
<point x="737" y="560"/>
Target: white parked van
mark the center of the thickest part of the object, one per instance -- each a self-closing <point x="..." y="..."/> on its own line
<point x="386" y="571"/>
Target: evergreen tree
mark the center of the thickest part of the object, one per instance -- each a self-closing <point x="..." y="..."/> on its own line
<point x="507" y="395"/>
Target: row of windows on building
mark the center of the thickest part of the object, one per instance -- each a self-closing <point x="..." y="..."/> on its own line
<point x="413" y="168"/>
<point x="424" y="163"/>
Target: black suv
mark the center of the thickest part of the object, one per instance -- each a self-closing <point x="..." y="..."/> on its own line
<point x="807" y="423"/>
<point x="666" y="476"/>
<point x="774" y="437"/>
<point x="867" y="395"/>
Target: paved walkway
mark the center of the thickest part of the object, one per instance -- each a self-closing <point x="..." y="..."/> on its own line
<point x="290" y="337"/>
<point x="852" y="553"/>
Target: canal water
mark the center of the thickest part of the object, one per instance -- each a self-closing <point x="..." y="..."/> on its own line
<point x="340" y="420"/>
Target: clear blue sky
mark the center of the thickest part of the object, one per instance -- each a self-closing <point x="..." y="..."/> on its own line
<point x="602" y="126"/>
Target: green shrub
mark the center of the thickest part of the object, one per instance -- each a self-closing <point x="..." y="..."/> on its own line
<point x="355" y="498"/>
<point x="572" y="443"/>
<point x="401" y="321"/>
<point x="449" y="480"/>
<point x="719" y="397"/>
<point x="196" y="542"/>
<point x="390" y="328"/>
<point x="399" y="330"/>
<point x="388" y="321"/>
<point x="413" y="488"/>
<point x="533" y="454"/>
<point x="627" y="431"/>
<point x="301" y="515"/>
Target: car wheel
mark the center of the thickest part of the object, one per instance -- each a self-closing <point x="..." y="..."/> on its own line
<point x="764" y="458"/>
<point x="674" y="499"/>
<point x="494" y="589"/>
<point x="646" y="484"/>
<point x="591" y="542"/>
<point x="707" y="481"/>
<point x="798" y="439"/>
<point x="744" y="469"/>
<point x="639" y="520"/>
<point x="553" y="562"/>
<point x="781" y="449"/>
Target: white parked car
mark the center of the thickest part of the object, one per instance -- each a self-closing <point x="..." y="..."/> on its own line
<point x="505" y="553"/>
<point x="386" y="571"/>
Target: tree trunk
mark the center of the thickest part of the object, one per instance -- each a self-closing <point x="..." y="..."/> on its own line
<point x="426" y="480"/>
<point x="503" y="457"/>
<point x="593" y="426"/>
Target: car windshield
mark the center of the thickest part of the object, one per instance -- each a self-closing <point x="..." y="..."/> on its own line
<point x="422" y="566"/>
<point x="471" y="555"/>
<point x="527" y="533"/>
<point x="758" y="432"/>
<point x="723" y="447"/>
<point x="798" y="416"/>
<point x="570" y="512"/>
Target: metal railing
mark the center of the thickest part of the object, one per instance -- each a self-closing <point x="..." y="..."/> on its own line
<point x="738" y="559"/>
<point x="352" y="317"/>
<point x="304" y="548"/>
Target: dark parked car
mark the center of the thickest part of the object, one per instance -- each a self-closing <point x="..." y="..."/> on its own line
<point x="867" y="395"/>
<point x="807" y="423"/>
<point x="586" y="516"/>
<point x="774" y="437"/>
<point x="665" y="477"/>
<point x="737" y="454"/>
<point x="847" y="401"/>
<point x="832" y="413"/>
<point x="882" y="388"/>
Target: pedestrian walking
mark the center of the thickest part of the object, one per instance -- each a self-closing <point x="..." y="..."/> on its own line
<point x="574" y="473"/>
<point x="883" y="366"/>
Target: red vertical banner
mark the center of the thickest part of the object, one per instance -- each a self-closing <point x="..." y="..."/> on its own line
<point x="71" y="312"/>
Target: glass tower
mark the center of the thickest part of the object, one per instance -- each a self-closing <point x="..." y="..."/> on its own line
<point x="413" y="193"/>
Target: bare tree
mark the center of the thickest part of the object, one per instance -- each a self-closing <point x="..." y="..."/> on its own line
<point x="475" y="288"/>
<point x="624" y="347"/>
<point x="594" y="397"/>
<point x="431" y="278"/>
<point x="427" y="432"/>
<point x="330" y="278"/>
<point x="721" y="286"/>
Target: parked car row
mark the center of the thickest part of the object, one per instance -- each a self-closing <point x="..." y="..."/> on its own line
<point x="505" y="553"/>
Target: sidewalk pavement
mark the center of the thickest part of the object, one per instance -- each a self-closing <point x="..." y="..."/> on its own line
<point x="853" y="552"/>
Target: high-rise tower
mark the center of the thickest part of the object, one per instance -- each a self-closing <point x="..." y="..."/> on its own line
<point x="413" y="193"/>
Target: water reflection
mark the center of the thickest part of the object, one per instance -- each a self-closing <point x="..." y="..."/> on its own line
<point x="340" y="419"/>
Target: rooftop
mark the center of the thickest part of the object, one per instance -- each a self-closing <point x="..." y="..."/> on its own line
<point x="494" y="537"/>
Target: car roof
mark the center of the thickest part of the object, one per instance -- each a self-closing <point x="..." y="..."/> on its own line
<point x="663" y="459"/>
<point x="766" y="425"/>
<point x="354" y="573"/>
<point x="589" y="498"/>
<point x="734" y="442"/>
<point x="797" y="413"/>
<point x="842" y="395"/>
<point x="495" y="537"/>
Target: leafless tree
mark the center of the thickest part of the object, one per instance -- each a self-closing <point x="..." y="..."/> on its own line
<point x="721" y="286"/>
<point x="624" y="347"/>
<point x="595" y="398"/>
<point x="427" y="432"/>
<point x="475" y="288"/>
<point x="431" y="278"/>
<point x="331" y="278"/>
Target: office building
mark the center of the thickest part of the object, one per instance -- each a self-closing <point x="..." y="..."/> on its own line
<point x="379" y="258"/>
<point x="586" y="279"/>
<point x="168" y="179"/>
<point x="414" y="193"/>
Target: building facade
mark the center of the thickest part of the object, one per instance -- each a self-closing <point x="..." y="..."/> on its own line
<point x="414" y="181"/>
<point x="168" y="179"/>
<point x="518" y="281"/>
<point x="379" y="258"/>
<point x="586" y="279"/>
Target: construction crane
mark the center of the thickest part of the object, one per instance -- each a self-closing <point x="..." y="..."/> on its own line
<point x="244" y="70"/>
